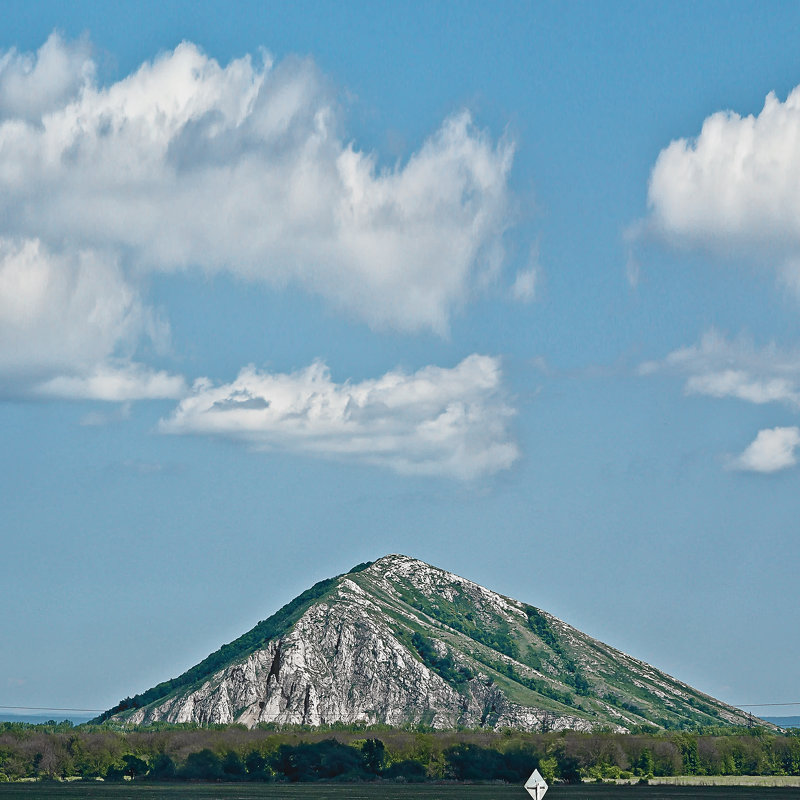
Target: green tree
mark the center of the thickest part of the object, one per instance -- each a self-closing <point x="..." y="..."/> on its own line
<point x="257" y="767"/>
<point x="233" y="768"/>
<point x="373" y="753"/>
<point x="202" y="766"/>
<point x="644" y="765"/>
<point x="162" y="769"/>
<point x="134" y="766"/>
<point x="323" y="760"/>
<point x="409" y="769"/>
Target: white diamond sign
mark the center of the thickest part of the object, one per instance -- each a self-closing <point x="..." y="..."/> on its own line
<point x="536" y="785"/>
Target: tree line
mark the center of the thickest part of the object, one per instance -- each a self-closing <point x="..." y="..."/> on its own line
<point x="234" y="753"/>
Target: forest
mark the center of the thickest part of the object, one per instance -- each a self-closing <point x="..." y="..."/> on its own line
<point x="57" y="751"/>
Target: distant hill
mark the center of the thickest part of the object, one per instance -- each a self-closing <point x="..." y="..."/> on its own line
<point x="401" y="642"/>
<point x="40" y="719"/>
<point x="784" y="722"/>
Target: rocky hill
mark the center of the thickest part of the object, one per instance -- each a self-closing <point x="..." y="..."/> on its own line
<point x="401" y="642"/>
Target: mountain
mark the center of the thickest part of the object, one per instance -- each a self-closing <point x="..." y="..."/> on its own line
<point x="399" y="642"/>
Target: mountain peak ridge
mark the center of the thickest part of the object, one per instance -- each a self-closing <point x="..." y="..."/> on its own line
<point x="399" y="641"/>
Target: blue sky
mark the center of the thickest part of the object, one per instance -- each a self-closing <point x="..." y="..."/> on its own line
<point x="514" y="289"/>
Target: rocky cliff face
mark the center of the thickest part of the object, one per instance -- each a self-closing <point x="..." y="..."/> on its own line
<point x="401" y="642"/>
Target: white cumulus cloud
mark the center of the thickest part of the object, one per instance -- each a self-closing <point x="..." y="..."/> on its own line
<point x="736" y="368"/>
<point x="772" y="450"/>
<point x="32" y="85"/>
<point x="436" y="421"/>
<point x="736" y="186"/>
<point x="719" y="367"/>
<point x="244" y="168"/>
<point x="69" y="324"/>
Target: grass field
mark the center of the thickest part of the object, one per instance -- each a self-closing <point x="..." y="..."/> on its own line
<point x="99" y="791"/>
<point x="731" y="780"/>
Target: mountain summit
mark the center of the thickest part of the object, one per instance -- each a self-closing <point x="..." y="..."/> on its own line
<point x="399" y="642"/>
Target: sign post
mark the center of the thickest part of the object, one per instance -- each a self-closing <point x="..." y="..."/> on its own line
<point x="536" y="785"/>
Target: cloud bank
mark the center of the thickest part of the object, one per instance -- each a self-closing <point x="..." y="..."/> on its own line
<point x="436" y="421"/>
<point x="243" y="168"/>
<point x="186" y="164"/>
<point x="734" y="187"/>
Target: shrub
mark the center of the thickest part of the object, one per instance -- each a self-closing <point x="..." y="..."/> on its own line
<point x="163" y="769"/>
<point x="202" y="766"/>
<point x="408" y="770"/>
<point x="325" y="760"/>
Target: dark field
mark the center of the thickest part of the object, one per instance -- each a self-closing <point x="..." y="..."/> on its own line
<point x="99" y="791"/>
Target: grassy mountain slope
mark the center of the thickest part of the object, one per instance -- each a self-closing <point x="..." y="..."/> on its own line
<point x="537" y="659"/>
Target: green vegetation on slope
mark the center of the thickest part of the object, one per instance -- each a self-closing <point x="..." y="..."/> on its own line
<point x="444" y="666"/>
<point x="541" y="646"/>
<point x="539" y="624"/>
<point x="459" y="615"/>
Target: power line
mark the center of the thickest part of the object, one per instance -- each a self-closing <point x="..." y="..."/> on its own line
<point x="51" y="708"/>
<point x="759" y="705"/>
